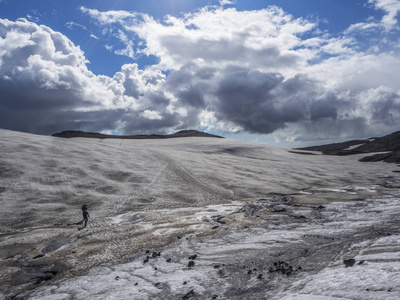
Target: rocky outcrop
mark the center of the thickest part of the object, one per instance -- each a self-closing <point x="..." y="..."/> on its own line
<point x="182" y="133"/>
<point x="390" y="144"/>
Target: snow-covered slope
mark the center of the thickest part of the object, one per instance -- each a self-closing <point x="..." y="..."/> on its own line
<point x="251" y="213"/>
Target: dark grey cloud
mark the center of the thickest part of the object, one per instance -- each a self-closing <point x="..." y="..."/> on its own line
<point x="252" y="100"/>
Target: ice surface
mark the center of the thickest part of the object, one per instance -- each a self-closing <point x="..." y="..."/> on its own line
<point x="221" y="199"/>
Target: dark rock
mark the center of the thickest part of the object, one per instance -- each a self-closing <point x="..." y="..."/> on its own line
<point x="147" y="251"/>
<point x="214" y="297"/>
<point x="377" y="157"/>
<point x="179" y="237"/>
<point x="191" y="264"/>
<point x="299" y="217"/>
<point x="193" y="257"/>
<point x="349" y="262"/>
<point x="216" y="266"/>
<point x="282" y="267"/>
<point x="117" y="278"/>
<point x="154" y="255"/>
<point x="389" y="144"/>
<point x="169" y="260"/>
<point x="303" y="153"/>
<point x="179" y="134"/>
<point x="47" y="275"/>
<point x="184" y="283"/>
<point x="218" y="219"/>
<point x="249" y="272"/>
<point x="215" y="227"/>
<point x="137" y="283"/>
<point x="260" y="276"/>
<point x="331" y="148"/>
<point x="157" y="284"/>
<point x="189" y="295"/>
<point x="38" y="256"/>
<point x="361" y="262"/>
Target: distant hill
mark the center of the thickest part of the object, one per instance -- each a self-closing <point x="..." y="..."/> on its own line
<point x="390" y="144"/>
<point x="183" y="133"/>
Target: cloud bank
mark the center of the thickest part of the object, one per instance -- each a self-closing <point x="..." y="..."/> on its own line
<point x="261" y="72"/>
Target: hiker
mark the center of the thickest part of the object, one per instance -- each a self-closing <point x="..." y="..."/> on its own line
<point x="85" y="214"/>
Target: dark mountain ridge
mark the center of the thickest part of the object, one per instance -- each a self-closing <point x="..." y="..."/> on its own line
<point x="389" y="144"/>
<point x="182" y="133"/>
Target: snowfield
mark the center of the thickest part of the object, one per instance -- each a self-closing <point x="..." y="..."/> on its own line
<point x="193" y="218"/>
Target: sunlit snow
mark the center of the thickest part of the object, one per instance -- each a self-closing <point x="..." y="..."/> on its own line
<point x="193" y="218"/>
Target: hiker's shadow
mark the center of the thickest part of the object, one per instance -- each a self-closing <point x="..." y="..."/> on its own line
<point x="80" y="223"/>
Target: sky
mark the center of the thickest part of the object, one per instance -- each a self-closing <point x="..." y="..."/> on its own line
<point x="286" y="73"/>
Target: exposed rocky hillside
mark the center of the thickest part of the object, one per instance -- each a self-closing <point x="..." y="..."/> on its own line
<point x="182" y="133"/>
<point x="389" y="144"/>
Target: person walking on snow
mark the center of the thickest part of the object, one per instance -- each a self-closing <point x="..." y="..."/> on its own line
<point x="85" y="214"/>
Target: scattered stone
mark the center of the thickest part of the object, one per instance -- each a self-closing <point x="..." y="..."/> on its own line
<point x="169" y="260"/>
<point x="215" y="227"/>
<point x="249" y="272"/>
<point x="349" y="262"/>
<point x="193" y="257"/>
<point x="116" y="278"/>
<point x="146" y="260"/>
<point x="179" y="237"/>
<point x="137" y="283"/>
<point x="73" y="251"/>
<point x="147" y="251"/>
<point x="282" y="267"/>
<point x="155" y="269"/>
<point x="157" y="284"/>
<point x="260" y="276"/>
<point x="38" y="256"/>
<point x="216" y="266"/>
<point x="361" y="262"/>
<point x="155" y="254"/>
<point x="184" y="282"/>
<point x="191" y="264"/>
<point x="47" y="275"/>
<point x="214" y="296"/>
